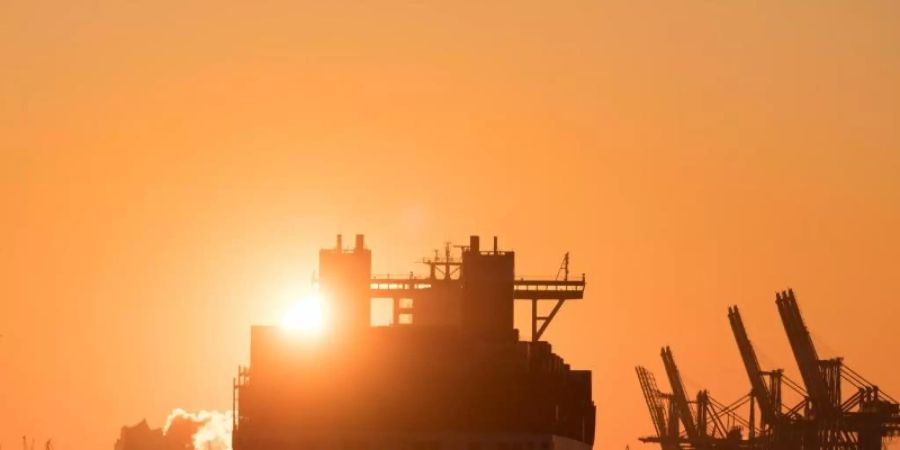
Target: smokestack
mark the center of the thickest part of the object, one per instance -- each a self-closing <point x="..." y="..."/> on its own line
<point x="495" y="244"/>
<point x="360" y="242"/>
<point x="473" y="243"/>
<point x="339" y="247"/>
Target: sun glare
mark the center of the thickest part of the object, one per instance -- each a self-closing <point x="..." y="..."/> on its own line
<point x="305" y="315"/>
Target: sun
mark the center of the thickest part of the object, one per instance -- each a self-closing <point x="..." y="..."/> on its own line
<point x="305" y="315"/>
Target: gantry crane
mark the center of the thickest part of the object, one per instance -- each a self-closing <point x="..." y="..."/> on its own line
<point x="662" y="412"/>
<point x="779" y="428"/>
<point x="711" y="425"/>
<point x="821" y="377"/>
<point x="679" y="396"/>
<point x="766" y="395"/>
<point x="824" y="419"/>
<point x="860" y="422"/>
<point x="703" y="424"/>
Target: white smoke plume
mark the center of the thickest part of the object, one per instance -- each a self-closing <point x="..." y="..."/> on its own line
<point x="213" y="427"/>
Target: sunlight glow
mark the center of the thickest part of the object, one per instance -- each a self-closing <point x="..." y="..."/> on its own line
<point x="305" y="315"/>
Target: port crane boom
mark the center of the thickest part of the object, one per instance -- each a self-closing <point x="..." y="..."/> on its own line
<point x="821" y="377"/>
<point x="823" y="419"/>
<point x="679" y="396"/>
<point x="768" y="400"/>
<point x="662" y="411"/>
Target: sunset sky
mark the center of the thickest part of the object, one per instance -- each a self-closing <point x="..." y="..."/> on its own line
<point x="169" y="170"/>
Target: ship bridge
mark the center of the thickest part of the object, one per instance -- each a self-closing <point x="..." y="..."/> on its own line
<point x="447" y="271"/>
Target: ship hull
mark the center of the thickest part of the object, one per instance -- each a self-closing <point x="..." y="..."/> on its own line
<point x="415" y="441"/>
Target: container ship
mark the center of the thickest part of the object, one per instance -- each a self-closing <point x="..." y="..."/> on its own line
<point x="449" y="372"/>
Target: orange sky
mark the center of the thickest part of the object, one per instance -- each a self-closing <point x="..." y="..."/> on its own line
<point x="169" y="169"/>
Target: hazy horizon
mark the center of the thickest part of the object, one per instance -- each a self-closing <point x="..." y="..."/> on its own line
<point x="169" y="171"/>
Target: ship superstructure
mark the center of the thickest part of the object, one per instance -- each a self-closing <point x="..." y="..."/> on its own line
<point x="449" y="371"/>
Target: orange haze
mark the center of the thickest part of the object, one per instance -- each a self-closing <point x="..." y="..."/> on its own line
<point x="169" y="170"/>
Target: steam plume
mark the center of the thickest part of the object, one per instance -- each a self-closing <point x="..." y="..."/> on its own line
<point x="212" y="428"/>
